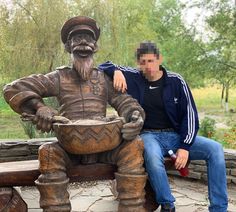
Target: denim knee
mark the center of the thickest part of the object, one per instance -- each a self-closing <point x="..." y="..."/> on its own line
<point x="216" y="151"/>
<point x="155" y="161"/>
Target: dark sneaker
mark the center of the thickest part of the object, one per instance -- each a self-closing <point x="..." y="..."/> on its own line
<point x="167" y="209"/>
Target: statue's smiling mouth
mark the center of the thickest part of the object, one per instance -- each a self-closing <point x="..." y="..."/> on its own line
<point x="82" y="50"/>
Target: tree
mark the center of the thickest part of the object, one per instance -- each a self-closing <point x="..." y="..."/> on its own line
<point x="32" y="37"/>
<point x="219" y="52"/>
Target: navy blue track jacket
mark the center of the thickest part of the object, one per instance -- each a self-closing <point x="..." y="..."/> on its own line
<point x="177" y="98"/>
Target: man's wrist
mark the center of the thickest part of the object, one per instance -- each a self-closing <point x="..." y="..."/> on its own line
<point x="185" y="146"/>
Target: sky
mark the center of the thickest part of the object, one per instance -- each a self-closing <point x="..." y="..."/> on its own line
<point x="197" y="16"/>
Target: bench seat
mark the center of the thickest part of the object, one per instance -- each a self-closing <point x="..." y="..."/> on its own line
<point x="24" y="173"/>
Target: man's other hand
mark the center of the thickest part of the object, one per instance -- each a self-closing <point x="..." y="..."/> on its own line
<point x="131" y="129"/>
<point x="182" y="158"/>
<point x="119" y="81"/>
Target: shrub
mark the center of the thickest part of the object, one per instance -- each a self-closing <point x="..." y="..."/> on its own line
<point x="31" y="131"/>
<point x="230" y="137"/>
<point x="207" y="127"/>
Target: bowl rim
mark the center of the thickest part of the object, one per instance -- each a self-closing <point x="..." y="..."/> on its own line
<point x="56" y="124"/>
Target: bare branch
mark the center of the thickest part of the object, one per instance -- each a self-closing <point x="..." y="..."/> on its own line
<point x="27" y="11"/>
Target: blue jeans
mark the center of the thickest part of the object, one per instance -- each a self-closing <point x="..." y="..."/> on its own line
<point x="156" y="146"/>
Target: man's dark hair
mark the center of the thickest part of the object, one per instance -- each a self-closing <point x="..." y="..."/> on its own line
<point x="147" y="47"/>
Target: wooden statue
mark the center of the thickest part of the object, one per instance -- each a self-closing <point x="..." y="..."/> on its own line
<point x="83" y="93"/>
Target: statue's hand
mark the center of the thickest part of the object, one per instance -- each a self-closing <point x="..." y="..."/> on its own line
<point x="43" y="118"/>
<point x="131" y="129"/>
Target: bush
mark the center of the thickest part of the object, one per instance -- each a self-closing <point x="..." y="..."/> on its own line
<point x="230" y="137"/>
<point x="207" y="127"/>
<point x="31" y="131"/>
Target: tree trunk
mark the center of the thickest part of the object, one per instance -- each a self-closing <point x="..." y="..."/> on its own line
<point x="227" y="97"/>
<point x="222" y="95"/>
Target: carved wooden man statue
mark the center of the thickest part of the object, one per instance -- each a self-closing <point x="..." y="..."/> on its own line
<point x="82" y="92"/>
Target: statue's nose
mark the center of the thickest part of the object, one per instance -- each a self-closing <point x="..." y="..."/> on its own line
<point x="83" y="41"/>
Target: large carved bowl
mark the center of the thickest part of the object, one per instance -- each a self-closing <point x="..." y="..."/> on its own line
<point x="89" y="136"/>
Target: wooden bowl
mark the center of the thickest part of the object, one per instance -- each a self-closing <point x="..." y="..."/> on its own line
<point x="89" y="136"/>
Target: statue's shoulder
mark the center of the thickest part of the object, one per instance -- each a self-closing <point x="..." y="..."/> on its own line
<point x="63" y="71"/>
<point x="60" y="68"/>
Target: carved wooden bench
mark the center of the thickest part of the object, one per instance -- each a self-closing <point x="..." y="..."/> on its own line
<point x="24" y="173"/>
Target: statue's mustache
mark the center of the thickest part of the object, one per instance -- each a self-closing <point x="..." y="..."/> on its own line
<point x="82" y="48"/>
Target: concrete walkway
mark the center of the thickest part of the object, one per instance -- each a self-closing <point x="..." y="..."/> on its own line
<point x="191" y="196"/>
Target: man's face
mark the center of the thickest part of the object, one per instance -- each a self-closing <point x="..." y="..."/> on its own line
<point x="149" y="64"/>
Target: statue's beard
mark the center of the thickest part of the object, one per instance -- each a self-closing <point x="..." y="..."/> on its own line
<point x="83" y="66"/>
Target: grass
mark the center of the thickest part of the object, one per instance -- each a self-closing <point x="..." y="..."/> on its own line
<point x="209" y="99"/>
<point x="10" y="127"/>
<point x="10" y="123"/>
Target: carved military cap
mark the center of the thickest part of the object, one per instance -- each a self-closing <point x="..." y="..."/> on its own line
<point x="79" y="23"/>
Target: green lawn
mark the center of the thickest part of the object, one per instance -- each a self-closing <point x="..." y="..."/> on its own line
<point x="209" y="99"/>
<point x="10" y="127"/>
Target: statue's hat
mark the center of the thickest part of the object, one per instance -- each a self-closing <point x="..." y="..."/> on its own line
<point x="79" y="23"/>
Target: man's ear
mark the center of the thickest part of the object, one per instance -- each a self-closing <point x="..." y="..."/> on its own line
<point x="138" y="64"/>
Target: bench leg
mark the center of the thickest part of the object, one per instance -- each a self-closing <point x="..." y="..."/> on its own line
<point x="11" y="201"/>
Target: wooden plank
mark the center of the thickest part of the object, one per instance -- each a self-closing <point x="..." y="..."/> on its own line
<point x="91" y="172"/>
<point x="19" y="173"/>
<point x="24" y="173"/>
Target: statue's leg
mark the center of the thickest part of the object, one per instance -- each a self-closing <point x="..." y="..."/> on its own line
<point x="53" y="181"/>
<point x="131" y="177"/>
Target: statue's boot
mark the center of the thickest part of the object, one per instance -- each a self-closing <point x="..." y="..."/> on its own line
<point x="53" y="181"/>
<point x="131" y="192"/>
<point x="54" y="196"/>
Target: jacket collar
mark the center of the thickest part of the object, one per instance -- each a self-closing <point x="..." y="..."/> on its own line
<point x="164" y="74"/>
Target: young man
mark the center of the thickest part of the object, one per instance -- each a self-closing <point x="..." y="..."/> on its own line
<point x="171" y="124"/>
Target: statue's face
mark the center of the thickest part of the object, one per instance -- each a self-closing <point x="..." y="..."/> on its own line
<point x="83" y="45"/>
<point x="82" y="48"/>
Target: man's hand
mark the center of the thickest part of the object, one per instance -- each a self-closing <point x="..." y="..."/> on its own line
<point x="182" y="158"/>
<point x="132" y="129"/>
<point x="44" y="118"/>
<point x="119" y="81"/>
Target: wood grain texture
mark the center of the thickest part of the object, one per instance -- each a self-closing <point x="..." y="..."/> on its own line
<point x="24" y="173"/>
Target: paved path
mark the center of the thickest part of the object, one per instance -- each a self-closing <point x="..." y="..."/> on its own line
<point x="191" y="196"/>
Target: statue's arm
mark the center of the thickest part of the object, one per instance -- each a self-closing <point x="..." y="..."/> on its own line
<point x="26" y="94"/>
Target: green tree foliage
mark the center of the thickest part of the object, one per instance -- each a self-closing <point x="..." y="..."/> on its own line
<point x="30" y="36"/>
<point x="31" y="33"/>
<point x="219" y="52"/>
<point x="223" y="25"/>
<point x="177" y="42"/>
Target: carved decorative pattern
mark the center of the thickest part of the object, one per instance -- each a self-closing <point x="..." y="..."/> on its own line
<point x="82" y="139"/>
